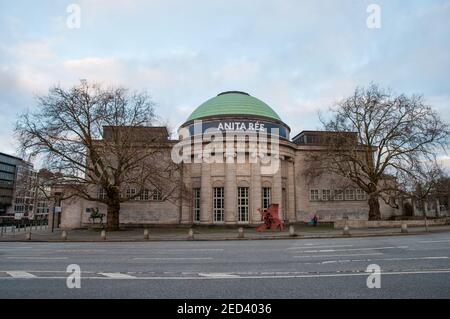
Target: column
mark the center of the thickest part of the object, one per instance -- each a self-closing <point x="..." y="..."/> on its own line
<point x="438" y="208"/>
<point x="277" y="197"/>
<point x="230" y="191"/>
<point x="290" y="210"/>
<point x="205" y="194"/>
<point x="186" y="203"/>
<point x="255" y="193"/>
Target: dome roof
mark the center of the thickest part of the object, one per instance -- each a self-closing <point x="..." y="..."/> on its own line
<point x="233" y="103"/>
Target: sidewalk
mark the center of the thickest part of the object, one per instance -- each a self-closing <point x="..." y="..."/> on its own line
<point x="205" y="233"/>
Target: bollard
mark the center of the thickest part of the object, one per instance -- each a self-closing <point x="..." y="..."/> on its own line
<point x="146" y="234"/>
<point x="191" y="234"/>
<point x="404" y="228"/>
<point x="28" y="236"/>
<point x="64" y="235"/>
<point x="346" y="230"/>
<point x="292" y="231"/>
<point x="241" y="232"/>
<point x="103" y="235"/>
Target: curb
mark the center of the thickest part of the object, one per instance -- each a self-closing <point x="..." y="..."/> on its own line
<point x="298" y="237"/>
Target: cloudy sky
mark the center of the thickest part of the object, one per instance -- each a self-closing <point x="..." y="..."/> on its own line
<point x="297" y="56"/>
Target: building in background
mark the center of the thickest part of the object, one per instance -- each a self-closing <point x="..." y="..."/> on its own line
<point x="8" y="173"/>
<point x="23" y="194"/>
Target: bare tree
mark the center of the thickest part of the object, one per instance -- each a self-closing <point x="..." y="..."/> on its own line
<point x="99" y="143"/>
<point x="424" y="184"/>
<point x="374" y="136"/>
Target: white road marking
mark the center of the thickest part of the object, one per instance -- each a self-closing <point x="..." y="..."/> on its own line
<point x="20" y="274"/>
<point x="79" y="250"/>
<point x="415" y="258"/>
<point x="337" y="274"/>
<point x="50" y="271"/>
<point x="218" y="275"/>
<point x="344" y="255"/>
<point x="35" y="258"/>
<point x="172" y="258"/>
<point x="160" y="251"/>
<point x="434" y="241"/>
<point x="379" y="259"/>
<point x="352" y="249"/>
<point x="117" y="275"/>
<point x="331" y="246"/>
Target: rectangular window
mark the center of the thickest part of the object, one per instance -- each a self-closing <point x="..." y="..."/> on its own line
<point x="338" y="194"/>
<point x="326" y="194"/>
<point x="145" y="195"/>
<point x="218" y="204"/>
<point x="196" y="204"/>
<point x="266" y="197"/>
<point x="350" y="194"/>
<point x="361" y="195"/>
<point x="314" y="195"/>
<point x="101" y="193"/>
<point x="243" y="204"/>
<point x="42" y="208"/>
<point x="131" y="192"/>
<point x="157" y="195"/>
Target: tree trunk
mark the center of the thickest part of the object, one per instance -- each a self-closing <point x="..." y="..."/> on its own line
<point x="113" y="216"/>
<point x="374" y="208"/>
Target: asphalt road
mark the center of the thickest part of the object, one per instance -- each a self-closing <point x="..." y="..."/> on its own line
<point x="411" y="267"/>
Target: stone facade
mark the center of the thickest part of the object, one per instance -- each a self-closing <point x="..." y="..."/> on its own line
<point x="288" y="187"/>
<point x="231" y="192"/>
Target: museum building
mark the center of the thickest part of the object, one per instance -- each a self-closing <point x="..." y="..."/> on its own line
<point x="230" y="191"/>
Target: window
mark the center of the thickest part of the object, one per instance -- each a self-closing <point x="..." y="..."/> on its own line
<point x="157" y="194"/>
<point x="196" y="204"/>
<point x="6" y="176"/>
<point x="6" y="183"/>
<point x="101" y="194"/>
<point x="42" y="208"/>
<point x="19" y="208"/>
<point x="338" y="194"/>
<point x="361" y="195"/>
<point x="243" y="204"/>
<point x="349" y="194"/>
<point x="218" y="204"/>
<point x="314" y="195"/>
<point x="326" y="194"/>
<point x="266" y="197"/>
<point x="7" y="168"/>
<point x="131" y="192"/>
<point x="145" y="195"/>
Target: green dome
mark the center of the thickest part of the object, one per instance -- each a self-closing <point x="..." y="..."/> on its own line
<point x="233" y="103"/>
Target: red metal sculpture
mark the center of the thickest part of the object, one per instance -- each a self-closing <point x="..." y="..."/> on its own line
<point x="270" y="218"/>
